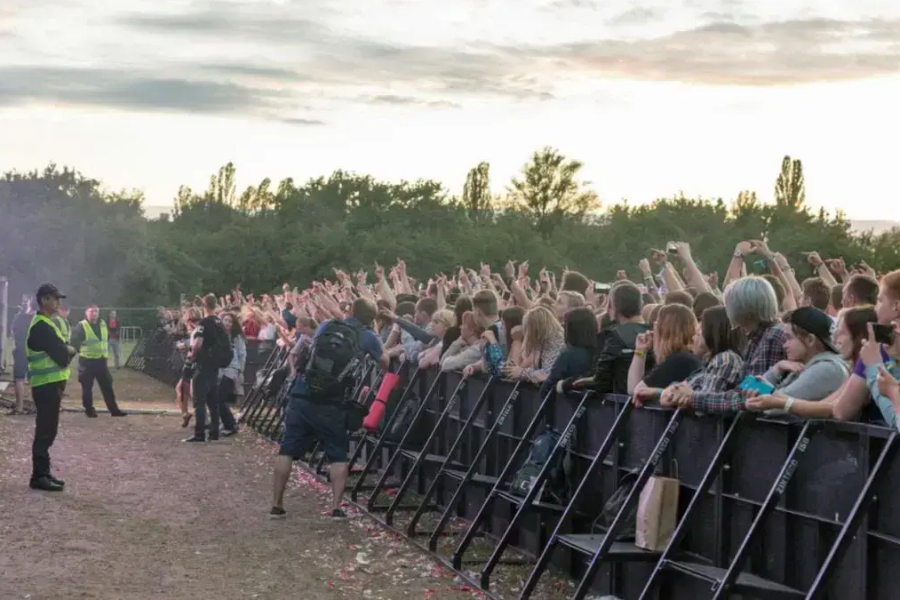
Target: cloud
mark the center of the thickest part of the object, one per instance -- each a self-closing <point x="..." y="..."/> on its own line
<point x="302" y="122"/>
<point x="770" y="54"/>
<point x="128" y="90"/>
<point x="396" y="100"/>
<point x="638" y="15"/>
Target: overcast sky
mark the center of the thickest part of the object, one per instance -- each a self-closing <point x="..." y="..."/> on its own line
<point x="701" y="96"/>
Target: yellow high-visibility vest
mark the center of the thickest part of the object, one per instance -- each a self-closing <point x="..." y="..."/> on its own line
<point x="43" y="370"/>
<point x="94" y="347"/>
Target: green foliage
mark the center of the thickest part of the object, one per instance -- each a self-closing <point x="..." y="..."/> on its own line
<point x="97" y="245"/>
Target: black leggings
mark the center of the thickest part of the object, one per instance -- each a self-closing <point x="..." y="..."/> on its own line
<point x="226" y="397"/>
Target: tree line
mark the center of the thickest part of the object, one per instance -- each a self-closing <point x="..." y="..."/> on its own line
<point x="59" y="225"/>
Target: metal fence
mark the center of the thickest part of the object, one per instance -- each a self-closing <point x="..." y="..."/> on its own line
<point x="768" y="508"/>
<point x="156" y="355"/>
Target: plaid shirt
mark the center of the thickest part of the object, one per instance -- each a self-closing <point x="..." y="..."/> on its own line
<point x="765" y="348"/>
<point x="724" y="372"/>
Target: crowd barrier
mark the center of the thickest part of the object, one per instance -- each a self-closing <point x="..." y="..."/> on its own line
<point x="156" y="355"/>
<point x="768" y="508"/>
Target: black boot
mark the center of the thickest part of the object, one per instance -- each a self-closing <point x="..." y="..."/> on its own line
<point x="44" y="483"/>
<point x="90" y="412"/>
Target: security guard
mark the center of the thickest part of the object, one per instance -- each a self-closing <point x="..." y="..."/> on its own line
<point x="48" y="369"/>
<point x="91" y="338"/>
<point x="62" y="323"/>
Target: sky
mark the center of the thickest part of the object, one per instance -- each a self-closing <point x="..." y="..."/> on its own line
<point x="698" y="96"/>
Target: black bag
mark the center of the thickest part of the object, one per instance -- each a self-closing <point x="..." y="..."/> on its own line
<point x="221" y="352"/>
<point x="557" y="486"/>
<point x="405" y="414"/>
<point x="611" y="509"/>
<point x="332" y="360"/>
<point x="354" y="415"/>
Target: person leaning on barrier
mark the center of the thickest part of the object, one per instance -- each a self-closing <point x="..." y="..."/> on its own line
<point x="751" y="305"/>
<point x="91" y="339"/>
<point x="49" y="356"/>
<point x="617" y="344"/>
<point x="310" y="418"/>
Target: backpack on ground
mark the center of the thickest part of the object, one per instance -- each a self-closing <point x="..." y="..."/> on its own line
<point x="406" y="412"/>
<point x="605" y="519"/>
<point x="333" y="358"/>
<point x="221" y="352"/>
<point x="556" y="488"/>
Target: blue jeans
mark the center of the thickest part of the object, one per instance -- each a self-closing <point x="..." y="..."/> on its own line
<point x="114" y="348"/>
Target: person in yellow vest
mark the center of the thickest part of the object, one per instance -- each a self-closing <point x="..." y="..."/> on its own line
<point x="62" y="323"/>
<point x="48" y="369"/>
<point x="90" y="338"/>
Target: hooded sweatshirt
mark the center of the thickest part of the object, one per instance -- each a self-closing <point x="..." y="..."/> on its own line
<point x="821" y="376"/>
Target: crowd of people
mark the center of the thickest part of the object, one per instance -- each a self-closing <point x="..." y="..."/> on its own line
<point x="824" y="346"/>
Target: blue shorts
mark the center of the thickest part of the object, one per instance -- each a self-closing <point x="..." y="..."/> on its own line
<point x="20" y="366"/>
<point x="309" y="422"/>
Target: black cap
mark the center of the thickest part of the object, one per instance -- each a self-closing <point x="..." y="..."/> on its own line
<point x="48" y="289"/>
<point x="815" y="322"/>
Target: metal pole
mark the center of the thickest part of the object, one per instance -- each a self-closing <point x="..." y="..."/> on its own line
<point x="4" y="321"/>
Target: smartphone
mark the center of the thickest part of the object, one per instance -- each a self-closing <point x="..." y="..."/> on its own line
<point x="601" y="288"/>
<point x="671" y="248"/>
<point x="752" y="383"/>
<point x="884" y="334"/>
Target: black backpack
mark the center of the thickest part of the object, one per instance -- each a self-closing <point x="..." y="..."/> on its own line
<point x="333" y="358"/>
<point x="220" y="353"/>
<point x="556" y="487"/>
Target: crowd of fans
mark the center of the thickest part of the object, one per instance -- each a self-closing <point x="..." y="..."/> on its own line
<point x="825" y="346"/>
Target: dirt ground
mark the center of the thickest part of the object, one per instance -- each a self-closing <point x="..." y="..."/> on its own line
<point x="145" y="516"/>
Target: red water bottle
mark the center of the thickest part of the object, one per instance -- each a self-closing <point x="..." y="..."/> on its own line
<point x="376" y="411"/>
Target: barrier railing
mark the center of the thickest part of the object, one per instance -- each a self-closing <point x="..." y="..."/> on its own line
<point x="156" y="355"/>
<point x="769" y="508"/>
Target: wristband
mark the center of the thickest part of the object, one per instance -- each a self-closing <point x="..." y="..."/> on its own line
<point x="788" y="404"/>
<point x="640" y="354"/>
<point x="738" y="254"/>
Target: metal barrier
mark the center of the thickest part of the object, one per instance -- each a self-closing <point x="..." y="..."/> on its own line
<point x="130" y="333"/>
<point x="156" y="355"/>
<point x="769" y="508"/>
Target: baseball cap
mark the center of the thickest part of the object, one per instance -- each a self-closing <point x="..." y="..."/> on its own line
<point x="815" y="322"/>
<point x="48" y="289"/>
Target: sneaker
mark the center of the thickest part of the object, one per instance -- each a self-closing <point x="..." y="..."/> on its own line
<point x="338" y="514"/>
<point x="228" y="432"/>
<point x="194" y="438"/>
<point x="277" y="513"/>
<point x="91" y="413"/>
<point x="119" y="413"/>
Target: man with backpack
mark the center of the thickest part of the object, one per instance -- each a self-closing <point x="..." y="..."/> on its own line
<point x="210" y="352"/>
<point x="319" y="401"/>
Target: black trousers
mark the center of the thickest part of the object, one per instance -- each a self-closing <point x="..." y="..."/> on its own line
<point x="47" y="399"/>
<point x="90" y="369"/>
<point x="226" y="398"/>
<point x="206" y="396"/>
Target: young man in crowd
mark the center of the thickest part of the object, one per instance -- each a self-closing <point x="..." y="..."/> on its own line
<point x="209" y="333"/>
<point x="49" y="356"/>
<point x="113" y="327"/>
<point x="312" y="416"/>
<point x="91" y="339"/>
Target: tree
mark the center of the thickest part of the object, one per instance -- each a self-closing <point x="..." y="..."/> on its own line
<point x="550" y="191"/>
<point x="476" y="197"/>
<point x="790" y="188"/>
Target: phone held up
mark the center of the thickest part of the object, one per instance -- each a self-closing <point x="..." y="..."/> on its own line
<point x="752" y="383"/>
<point x="884" y="334"/>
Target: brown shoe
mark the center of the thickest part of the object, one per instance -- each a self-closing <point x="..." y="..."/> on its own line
<point x="186" y="419"/>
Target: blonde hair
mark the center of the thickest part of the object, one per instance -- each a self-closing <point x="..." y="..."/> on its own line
<point x="572" y="299"/>
<point x="539" y="325"/>
<point x="673" y="331"/>
<point x="444" y="316"/>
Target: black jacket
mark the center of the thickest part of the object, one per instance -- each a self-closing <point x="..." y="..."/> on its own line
<point x="617" y="349"/>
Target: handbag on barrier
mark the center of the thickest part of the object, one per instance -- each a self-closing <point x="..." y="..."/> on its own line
<point x="657" y="513"/>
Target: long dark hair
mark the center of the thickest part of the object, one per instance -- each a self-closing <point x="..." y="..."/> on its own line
<point x="719" y="334"/>
<point x="237" y="328"/>
<point x="580" y="327"/>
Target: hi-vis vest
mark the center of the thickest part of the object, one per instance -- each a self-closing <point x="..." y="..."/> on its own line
<point x="63" y="325"/>
<point x="93" y="347"/>
<point x="43" y="370"/>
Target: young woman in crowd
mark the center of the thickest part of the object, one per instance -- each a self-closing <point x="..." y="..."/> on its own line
<point x="543" y="341"/>
<point x="850" y="335"/>
<point x="719" y="346"/>
<point x="441" y="322"/>
<point x="512" y="318"/>
<point x="231" y="377"/>
<point x="752" y="306"/>
<point x="813" y="368"/>
<point x="183" y="387"/>
<point x="466" y="349"/>
<point x="461" y="306"/>
<point x="670" y="340"/>
<point x="577" y="358"/>
<point x="252" y="322"/>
